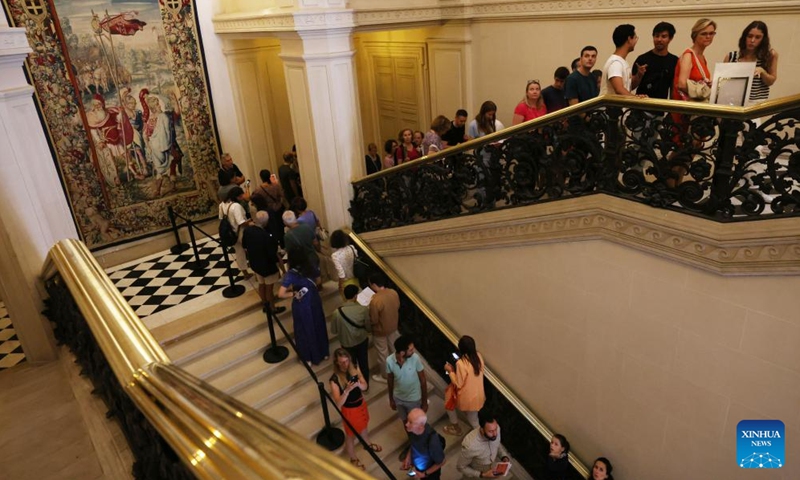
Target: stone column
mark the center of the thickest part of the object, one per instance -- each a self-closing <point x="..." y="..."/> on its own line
<point x="35" y="211"/>
<point x="323" y="99"/>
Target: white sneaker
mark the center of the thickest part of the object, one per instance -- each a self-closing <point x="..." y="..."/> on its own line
<point x="378" y="378"/>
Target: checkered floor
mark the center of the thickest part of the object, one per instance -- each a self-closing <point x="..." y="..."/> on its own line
<point x="10" y="349"/>
<point x="164" y="280"/>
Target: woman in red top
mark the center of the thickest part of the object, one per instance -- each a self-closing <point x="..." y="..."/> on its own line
<point x="693" y="59"/>
<point x="689" y="68"/>
<point x="407" y="151"/>
<point x="532" y="106"/>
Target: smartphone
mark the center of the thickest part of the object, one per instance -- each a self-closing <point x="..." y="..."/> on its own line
<point x="247" y="183"/>
<point x="412" y="473"/>
<point x="455" y="356"/>
<point x="354" y="379"/>
<point x="301" y="293"/>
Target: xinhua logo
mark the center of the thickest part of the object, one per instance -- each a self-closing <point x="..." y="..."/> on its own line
<point x="760" y="444"/>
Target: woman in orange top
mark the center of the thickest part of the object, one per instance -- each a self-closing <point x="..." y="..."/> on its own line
<point x="693" y="59"/>
<point x="467" y="376"/>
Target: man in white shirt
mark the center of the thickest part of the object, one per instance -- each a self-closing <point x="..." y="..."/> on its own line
<point x="481" y="448"/>
<point x="616" y="72"/>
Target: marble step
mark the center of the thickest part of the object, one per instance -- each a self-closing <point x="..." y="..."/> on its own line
<point x="220" y="356"/>
<point x="197" y="321"/>
<point x="275" y="383"/>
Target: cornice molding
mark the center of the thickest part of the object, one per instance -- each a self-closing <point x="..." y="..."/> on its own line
<point x="13" y="42"/>
<point x="397" y="17"/>
<point x="769" y="247"/>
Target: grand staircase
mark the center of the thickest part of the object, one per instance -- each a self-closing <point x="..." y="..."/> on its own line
<point x="223" y="344"/>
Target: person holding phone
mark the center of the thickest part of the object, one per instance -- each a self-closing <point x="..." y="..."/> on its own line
<point x="347" y="383"/>
<point x="467" y="376"/>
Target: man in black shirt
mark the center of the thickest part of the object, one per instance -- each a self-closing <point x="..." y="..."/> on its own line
<point x="290" y="179"/>
<point x="227" y="165"/>
<point x="455" y="135"/>
<point x="554" y="94"/>
<point x="262" y="253"/>
<point x="654" y="70"/>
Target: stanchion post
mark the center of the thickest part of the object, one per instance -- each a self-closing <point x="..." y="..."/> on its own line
<point x="178" y="247"/>
<point x="233" y="290"/>
<point x="329" y="437"/>
<point x="274" y="353"/>
<point x="197" y="264"/>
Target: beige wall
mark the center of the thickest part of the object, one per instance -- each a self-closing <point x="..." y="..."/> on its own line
<point x="262" y="103"/>
<point x="631" y="356"/>
<point x="541" y="46"/>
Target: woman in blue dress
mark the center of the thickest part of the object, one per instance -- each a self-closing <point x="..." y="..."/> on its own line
<point x="310" y="329"/>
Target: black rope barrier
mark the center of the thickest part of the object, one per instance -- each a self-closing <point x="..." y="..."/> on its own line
<point x="232" y="290"/>
<point x="329" y="437"/>
<point x="179" y="246"/>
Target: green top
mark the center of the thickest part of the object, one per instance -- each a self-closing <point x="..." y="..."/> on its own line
<point x="406" y="377"/>
<point x="350" y="336"/>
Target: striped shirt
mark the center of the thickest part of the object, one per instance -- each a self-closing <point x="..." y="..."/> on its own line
<point x="760" y="90"/>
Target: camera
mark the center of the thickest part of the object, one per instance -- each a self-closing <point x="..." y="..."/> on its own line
<point x="354" y="379"/>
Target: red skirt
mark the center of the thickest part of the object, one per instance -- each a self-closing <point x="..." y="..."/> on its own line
<point x="357" y="416"/>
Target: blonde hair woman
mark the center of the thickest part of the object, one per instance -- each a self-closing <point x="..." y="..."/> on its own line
<point x="693" y="65"/>
<point x="532" y="105"/>
<point x="346" y="383"/>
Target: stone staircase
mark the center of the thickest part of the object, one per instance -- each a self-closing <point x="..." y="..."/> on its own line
<point x="223" y="344"/>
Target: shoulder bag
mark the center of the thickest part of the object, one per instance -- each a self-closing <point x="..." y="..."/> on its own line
<point x="698" y="90"/>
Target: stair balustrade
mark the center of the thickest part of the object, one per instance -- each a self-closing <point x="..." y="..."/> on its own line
<point x="524" y="435"/>
<point x="178" y="427"/>
<point x="717" y="162"/>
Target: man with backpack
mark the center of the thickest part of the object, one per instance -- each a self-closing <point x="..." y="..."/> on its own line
<point x="425" y="458"/>
<point x="351" y="323"/>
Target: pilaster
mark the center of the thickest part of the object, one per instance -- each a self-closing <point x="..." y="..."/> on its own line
<point x="35" y="213"/>
<point x="323" y="99"/>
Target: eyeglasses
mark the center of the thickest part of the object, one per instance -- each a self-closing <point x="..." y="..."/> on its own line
<point x="707" y="34"/>
<point x="533" y="81"/>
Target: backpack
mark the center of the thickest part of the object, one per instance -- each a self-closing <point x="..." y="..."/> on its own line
<point x="441" y="440"/>
<point x="360" y="268"/>
<point x="227" y="235"/>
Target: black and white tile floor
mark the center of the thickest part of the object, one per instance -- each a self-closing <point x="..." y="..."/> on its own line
<point x="161" y="281"/>
<point x="10" y="349"/>
<point x="150" y="285"/>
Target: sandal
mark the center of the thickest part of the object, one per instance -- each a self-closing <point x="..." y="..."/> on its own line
<point x="375" y="447"/>
<point x="454" y="430"/>
<point x="357" y="463"/>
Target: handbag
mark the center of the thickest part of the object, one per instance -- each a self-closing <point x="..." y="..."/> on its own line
<point x="450" y="397"/>
<point x="698" y="90"/>
<point x="360" y="268"/>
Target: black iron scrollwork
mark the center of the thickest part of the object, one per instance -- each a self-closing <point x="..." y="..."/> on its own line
<point x="153" y="457"/>
<point x="721" y="169"/>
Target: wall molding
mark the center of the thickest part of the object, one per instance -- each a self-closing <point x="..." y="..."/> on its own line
<point x="769" y="247"/>
<point x="400" y="16"/>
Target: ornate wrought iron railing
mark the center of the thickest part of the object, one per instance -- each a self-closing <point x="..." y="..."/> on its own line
<point x="713" y="161"/>
<point x="177" y="426"/>
<point x="524" y="435"/>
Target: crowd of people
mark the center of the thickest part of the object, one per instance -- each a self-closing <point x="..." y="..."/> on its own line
<point x="271" y="227"/>
<point x="657" y="73"/>
<point x="273" y="223"/>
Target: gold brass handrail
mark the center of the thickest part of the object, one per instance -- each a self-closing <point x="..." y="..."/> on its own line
<point x="493" y="378"/>
<point x="215" y="435"/>
<point x="769" y="107"/>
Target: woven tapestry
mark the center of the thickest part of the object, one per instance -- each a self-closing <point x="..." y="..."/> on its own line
<point x="122" y="90"/>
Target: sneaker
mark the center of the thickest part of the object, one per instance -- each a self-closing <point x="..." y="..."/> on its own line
<point x="379" y="379"/>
